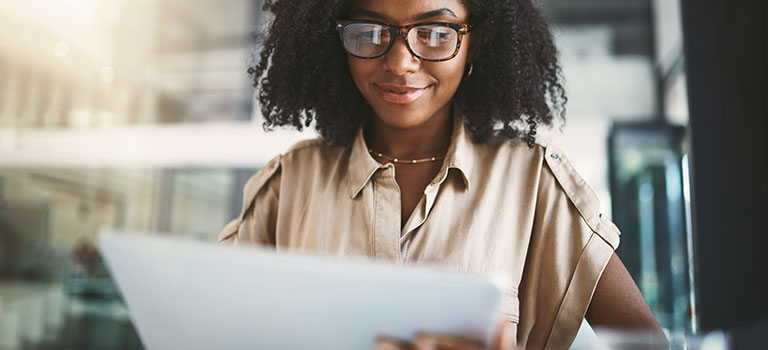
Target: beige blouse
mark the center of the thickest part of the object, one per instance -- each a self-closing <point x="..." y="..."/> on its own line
<point x="495" y="208"/>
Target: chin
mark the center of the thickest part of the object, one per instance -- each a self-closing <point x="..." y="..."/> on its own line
<point x="402" y="118"/>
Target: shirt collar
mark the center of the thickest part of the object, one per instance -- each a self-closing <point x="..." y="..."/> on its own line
<point x="361" y="165"/>
<point x="459" y="156"/>
<point x="460" y="152"/>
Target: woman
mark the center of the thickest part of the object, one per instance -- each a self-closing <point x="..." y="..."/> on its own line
<point x="428" y="112"/>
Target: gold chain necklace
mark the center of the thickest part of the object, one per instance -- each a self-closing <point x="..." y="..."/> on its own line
<point x="404" y="161"/>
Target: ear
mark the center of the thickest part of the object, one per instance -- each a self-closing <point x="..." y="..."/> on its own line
<point x="476" y="41"/>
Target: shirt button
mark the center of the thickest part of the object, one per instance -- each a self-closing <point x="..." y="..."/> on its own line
<point x="555" y="156"/>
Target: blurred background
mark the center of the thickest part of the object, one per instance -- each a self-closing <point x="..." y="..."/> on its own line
<point x="139" y="115"/>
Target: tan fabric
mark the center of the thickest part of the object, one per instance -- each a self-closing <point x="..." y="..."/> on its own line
<point x="497" y="208"/>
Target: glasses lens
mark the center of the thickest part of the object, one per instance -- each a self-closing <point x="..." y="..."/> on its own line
<point x="365" y="39"/>
<point x="433" y="42"/>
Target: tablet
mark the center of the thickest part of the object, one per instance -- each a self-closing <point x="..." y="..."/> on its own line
<point x="185" y="294"/>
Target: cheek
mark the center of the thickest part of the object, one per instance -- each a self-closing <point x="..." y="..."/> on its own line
<point x="450" y="75"/>
<point x="360" y="71"/>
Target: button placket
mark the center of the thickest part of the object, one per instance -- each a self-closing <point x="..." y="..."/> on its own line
<point x="386" y="215"/>
<point x="425" y="206"/>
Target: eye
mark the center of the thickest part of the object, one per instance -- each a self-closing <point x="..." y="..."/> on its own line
<point x="433" y="36"/>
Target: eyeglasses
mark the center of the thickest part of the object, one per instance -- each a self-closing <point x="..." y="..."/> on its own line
<point x="434" y="42"/>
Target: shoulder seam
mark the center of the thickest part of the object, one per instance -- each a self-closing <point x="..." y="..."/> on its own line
<point x="254" y="185"/>
<point x="561" y="169"/>
<point x="519" y="142"/>
<point x="304" y="144"/>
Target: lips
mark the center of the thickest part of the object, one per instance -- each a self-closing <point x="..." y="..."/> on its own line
<point x="400" y="94"/>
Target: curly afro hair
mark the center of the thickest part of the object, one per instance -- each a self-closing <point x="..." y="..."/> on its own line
<point x="302" y="75"/>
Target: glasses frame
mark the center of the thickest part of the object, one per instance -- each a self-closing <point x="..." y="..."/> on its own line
<point x="395" y="31"/>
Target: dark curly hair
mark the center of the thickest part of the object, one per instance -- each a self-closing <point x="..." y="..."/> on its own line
<point x="302" y="75"/>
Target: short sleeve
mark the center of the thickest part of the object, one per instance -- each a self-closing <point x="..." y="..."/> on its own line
<point x="257" y="220"/>
<point x="570" y="246"/>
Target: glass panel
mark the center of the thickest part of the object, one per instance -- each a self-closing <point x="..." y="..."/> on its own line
<point x="649" y="206"/>
<point x="55" y="290"/>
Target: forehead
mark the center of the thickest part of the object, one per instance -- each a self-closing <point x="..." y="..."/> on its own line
<point x="409" y="11"/>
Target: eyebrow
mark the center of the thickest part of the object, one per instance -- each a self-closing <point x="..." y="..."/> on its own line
<point x="443" y="12"/>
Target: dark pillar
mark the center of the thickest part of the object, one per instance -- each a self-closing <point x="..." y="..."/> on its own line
<point x="725" y="50"/>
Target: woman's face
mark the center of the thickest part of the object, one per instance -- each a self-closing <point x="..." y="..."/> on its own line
<point x="403" y="90"/>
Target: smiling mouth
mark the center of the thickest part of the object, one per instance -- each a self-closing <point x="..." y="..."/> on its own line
<point x="400" y="94"/>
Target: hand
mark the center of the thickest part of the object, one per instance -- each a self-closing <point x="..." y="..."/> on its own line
<point x="428" y="341"/>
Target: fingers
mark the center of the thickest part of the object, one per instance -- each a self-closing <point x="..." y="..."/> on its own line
<point x="426" y="341"/>
<point x="388" y="343"/>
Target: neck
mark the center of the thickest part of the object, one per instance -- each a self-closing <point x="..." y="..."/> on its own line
<point x="429" y="139"/>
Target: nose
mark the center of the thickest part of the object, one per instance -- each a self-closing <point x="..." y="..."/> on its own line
<point x="399" y="59"/>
